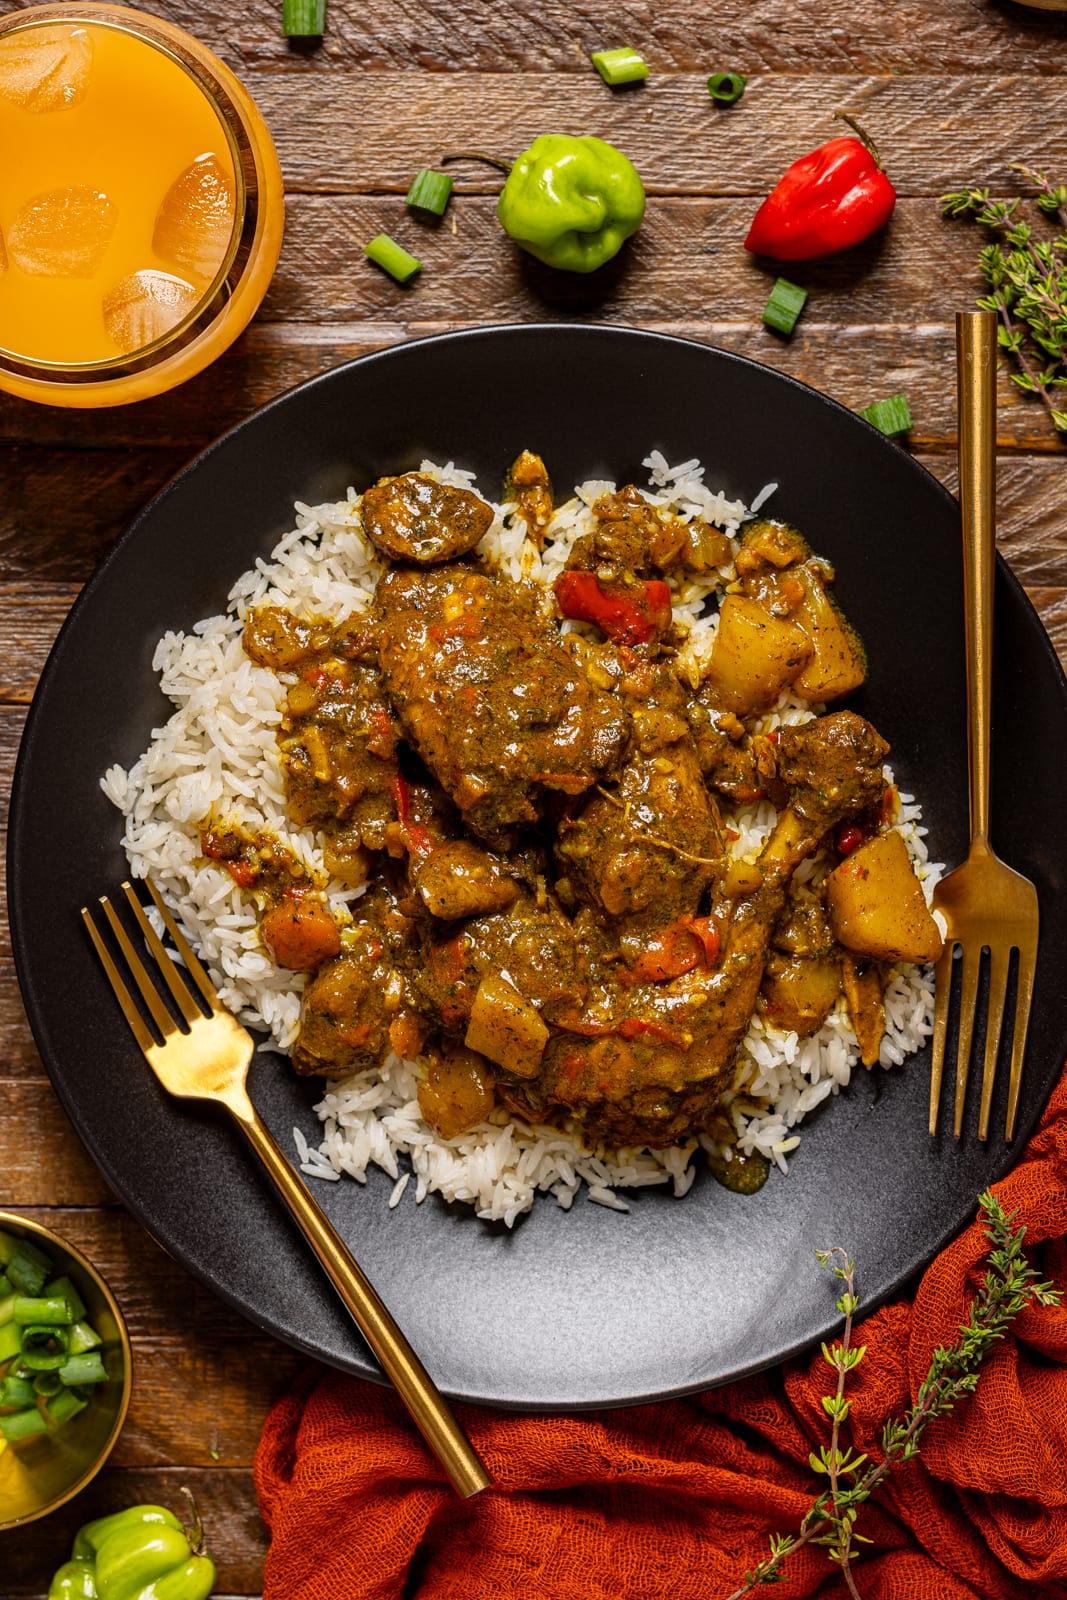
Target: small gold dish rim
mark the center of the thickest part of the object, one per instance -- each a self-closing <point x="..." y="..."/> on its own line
<point x="16" y="1222"/>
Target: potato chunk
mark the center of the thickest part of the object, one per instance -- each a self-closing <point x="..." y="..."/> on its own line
<point x="457" y="1091"/>
<point x="838" y="662"/>
<point x="754" y="656"/>
<point x="876" y="905"/>
<point x="506" y="1028"/>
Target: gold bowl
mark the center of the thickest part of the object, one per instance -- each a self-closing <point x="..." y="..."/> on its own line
<point x="45" y="1471"/>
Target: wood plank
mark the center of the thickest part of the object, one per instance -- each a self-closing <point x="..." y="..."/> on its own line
<point x="234" y="1531"/>
<point x="935" y="132"/>
<point x="31" y="614"/>
<point x="18" y="1053"/>
<point x="43" y="520"/>
<point x="687" y="262"/>
<point x="851" y="364"/>
<point x="831" y="36"/>
<point x="41" y="1157"/>
<point x="12" y="720"/>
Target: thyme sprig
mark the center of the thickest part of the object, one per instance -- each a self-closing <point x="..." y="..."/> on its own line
<point x="1009" y="1284"/>
<point x="1027" y="279"/>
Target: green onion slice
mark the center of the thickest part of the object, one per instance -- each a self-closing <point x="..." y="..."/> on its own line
<point x="86" y="1368"/>
<point x="54" y="1310"/>
<point x="10" y="1340"/>
<point x="430" y="191"/>
<point x="83" y="1336"/>
<point x="44" y="1347"/>
<point x="619" y="66"/>
<point x="22" y="1424"/>
<point x="28" y="1269"/>
<point x="726" y="88"/>
<point x="304" y="19"/>
<point x="65" y="1287"/>
<point x="392" y="258"/>
<point x="64" y="1405"/>
<point x="890" y="416"/>
<point x="784" y="306"/>
<point x="16" y="1393"/>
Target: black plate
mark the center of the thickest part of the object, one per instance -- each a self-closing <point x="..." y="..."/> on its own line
<point x="590" y="1307"/>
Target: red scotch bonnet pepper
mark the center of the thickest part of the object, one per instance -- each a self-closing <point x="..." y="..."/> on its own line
<point x="824" y="203"/>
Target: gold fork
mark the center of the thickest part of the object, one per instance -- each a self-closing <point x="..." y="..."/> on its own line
<point x="207" y="1059"/>
<point x="985" y="903"/>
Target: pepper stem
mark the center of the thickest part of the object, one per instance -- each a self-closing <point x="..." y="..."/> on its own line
<point x="862" y="135"/>
<point x="195" y="1530"/>
<point x="476" y="155"/>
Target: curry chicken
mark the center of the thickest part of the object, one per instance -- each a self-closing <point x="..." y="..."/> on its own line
<point x="553" y="922"/>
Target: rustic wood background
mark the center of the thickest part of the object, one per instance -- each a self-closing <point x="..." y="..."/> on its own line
<point x="954" y="92"/>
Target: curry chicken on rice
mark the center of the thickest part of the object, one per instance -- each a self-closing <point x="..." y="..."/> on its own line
<point x="552" y="921"/>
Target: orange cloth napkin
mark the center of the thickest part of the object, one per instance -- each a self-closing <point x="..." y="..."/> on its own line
<point x="676" y="1500"/>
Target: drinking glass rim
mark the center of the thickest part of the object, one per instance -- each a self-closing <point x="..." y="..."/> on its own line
<point x="149" y="31"/>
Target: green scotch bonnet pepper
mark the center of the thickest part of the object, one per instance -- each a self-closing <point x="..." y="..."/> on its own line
<point x="142" y="1553"/>
<point x="571" y="202"/>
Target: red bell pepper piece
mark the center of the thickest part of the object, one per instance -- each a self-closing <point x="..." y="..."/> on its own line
<point x="678" y="949"/>
<point x="417" y="837"/>
<point x="631" y="613"/>
<point x="849" y="838"/>
<point x="826" y="202"/>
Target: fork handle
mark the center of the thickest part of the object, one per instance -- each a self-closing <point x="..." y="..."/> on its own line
<point x="428" y="1407"/>
<point x="976" y="367"/>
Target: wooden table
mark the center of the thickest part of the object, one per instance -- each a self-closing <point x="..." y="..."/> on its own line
<point x="953" y="93"/>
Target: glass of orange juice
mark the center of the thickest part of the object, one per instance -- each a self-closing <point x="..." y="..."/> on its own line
<point x="141" y="207"/>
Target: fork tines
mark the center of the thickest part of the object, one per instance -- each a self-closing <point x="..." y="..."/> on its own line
<point x="1020" y="943"/>
<point x="179" y="990"/>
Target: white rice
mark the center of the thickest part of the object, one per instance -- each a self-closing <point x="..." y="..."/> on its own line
<point x="218" y="753"/>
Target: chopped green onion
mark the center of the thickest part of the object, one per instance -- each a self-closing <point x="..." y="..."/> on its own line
<point x="392" y="258"/>
<point x="8" y="1243"/>
<point x="784" y="306"/>
<point x="7" y="1306"/>
<point x="53" y="1310"/>
<point x="64" y="1286"/>
<point x="619" y="66"/>
<point x="890" y="416"/>
<point x="16" y="1393"/>
<point x="47" y="1383"/>
<point x="44" y="1347"/>
<point x="22" y="1424"/>
<point x="64" y="1405"/>
<point x="83" y="1369"/>
<point x="430" y="191"/>
<point x="83" y="1337"/>
<point x="10" y="1341"/>
<point x="5" y="1285"/>
<point x="28" y="1268"/>
<point x="304" y="19"/>
<point x="726" y="88"/>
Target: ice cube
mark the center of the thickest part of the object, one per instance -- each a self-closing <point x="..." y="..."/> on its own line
<point x="62" y="234"/>
<point x="195" y="220"/>
<point x="45" y="68"/>
<point x="145" y="306"/>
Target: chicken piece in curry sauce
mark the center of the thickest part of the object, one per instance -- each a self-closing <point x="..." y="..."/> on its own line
<point x="553" y="922"/>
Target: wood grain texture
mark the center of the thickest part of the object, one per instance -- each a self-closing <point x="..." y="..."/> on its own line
<point x="827" y="36"/>
<point x="936" y="132"/>
<point x="953" y="92"/>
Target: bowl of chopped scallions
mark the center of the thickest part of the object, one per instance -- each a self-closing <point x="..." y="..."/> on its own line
<point x="65" y="1370"/>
